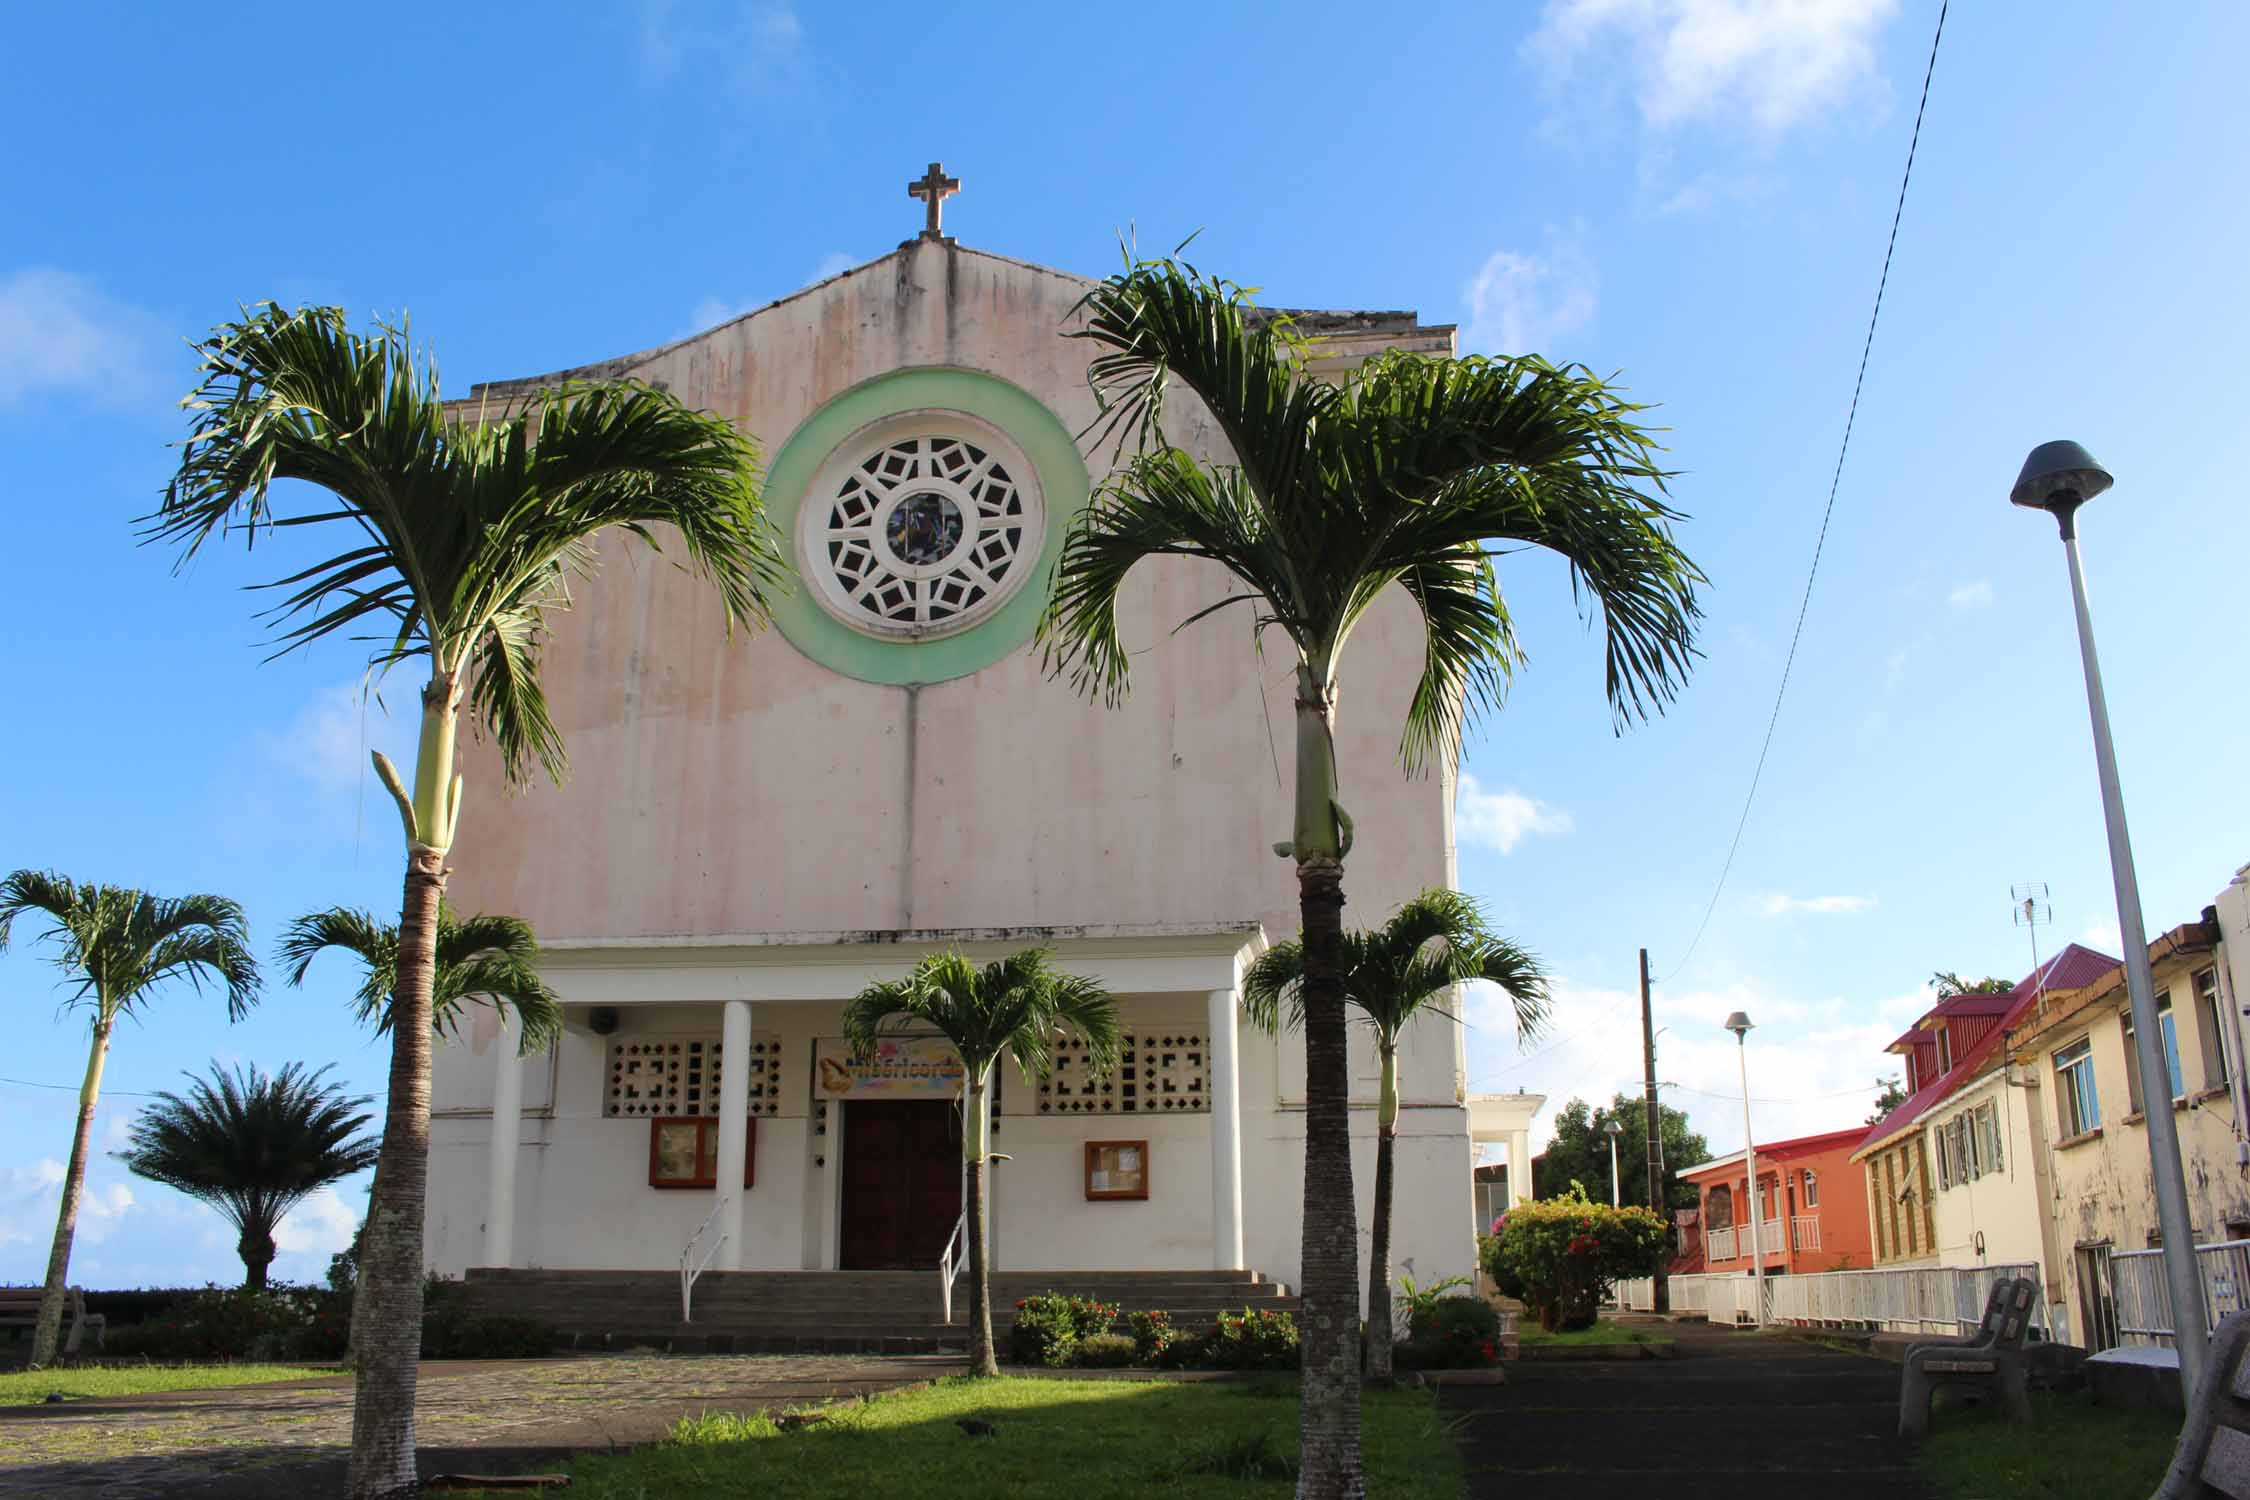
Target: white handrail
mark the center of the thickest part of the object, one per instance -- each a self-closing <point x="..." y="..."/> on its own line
<point x="950" y="1264"/>
<point x="688" y="1272"/>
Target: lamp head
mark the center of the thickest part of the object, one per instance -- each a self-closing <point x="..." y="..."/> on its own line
<point x="2059" y="477"/>
<point x="1739" y="1024"/>
<point x="1613" y="1128"/>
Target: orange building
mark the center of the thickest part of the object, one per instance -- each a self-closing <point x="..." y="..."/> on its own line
<point x="1807" y="1186"/>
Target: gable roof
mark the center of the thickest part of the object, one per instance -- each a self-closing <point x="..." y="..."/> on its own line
<point x="2072" y="967"/>
<point x="1777" y="1151"/>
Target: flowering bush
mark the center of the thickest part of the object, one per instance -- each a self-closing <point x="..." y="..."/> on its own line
<point x="1452" y="1333"/>
<point x="1254" y="1339"/>
<point x="1565" y="1252"/>
<point x="280" y="1322"/>
<point x="1050" y="1326"/>
<point x="1154" y="1337"/>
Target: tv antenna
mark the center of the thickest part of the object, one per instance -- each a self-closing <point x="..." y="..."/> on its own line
<point x="2033" y="911"/>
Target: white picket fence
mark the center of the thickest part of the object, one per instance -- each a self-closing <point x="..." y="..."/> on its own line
<point x="1940" y="1299"/>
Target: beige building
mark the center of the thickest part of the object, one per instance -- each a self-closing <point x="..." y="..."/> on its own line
<point x="2076" y="1051"/>
<point x="753" y="831"/>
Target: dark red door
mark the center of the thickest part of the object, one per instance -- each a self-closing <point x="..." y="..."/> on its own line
<point x="902" y="1182"/>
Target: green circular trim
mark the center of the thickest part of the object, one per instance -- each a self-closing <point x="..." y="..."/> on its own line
<point x="1064" y="487"/>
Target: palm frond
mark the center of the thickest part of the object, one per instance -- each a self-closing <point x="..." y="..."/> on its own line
<point x="479" y="958"/>
<point x="117" y="944"/>
<point x="1016" y="1006"/>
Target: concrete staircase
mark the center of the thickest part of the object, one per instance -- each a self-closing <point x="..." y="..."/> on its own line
<point x="832" y="1312"/>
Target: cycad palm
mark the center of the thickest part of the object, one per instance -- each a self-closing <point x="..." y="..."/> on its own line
<point x="1016" y="1007"/>
<point x="466" y="530"/>
<point x="1434" y="943"/>
<point x="252" y="1147"/>
<point x="1405" y="472"/>
<point x="119" y="945"/>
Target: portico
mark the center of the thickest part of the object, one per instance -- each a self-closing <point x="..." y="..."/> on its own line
<point x="814" y="1136"/>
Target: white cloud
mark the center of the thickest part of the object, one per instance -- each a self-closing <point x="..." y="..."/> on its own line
<point x="778" y="27"/>
<point x="1776" y="904"/>
<point x="58" y="333"/>
<point x="712" y="311"/>
<point x="2102" y="935"/>
<point x="834" y="263"/>
<point x="330" y="740"/>
<point x="741" y="44"/>
<point x="321" y="1225"/>
<point x="31" y="1196"/>
<point x="1977" y="595"/>
<point x="1520" y="303"/>
<point x="1770" y="64"/>
<point x="1502" y="820"/>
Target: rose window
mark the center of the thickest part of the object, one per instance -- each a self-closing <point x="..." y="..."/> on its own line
<point x="921" y="527"/>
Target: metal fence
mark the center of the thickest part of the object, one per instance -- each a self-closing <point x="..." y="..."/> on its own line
<point x="2143" y="1299"/>
<point x="1917" y="1299"/>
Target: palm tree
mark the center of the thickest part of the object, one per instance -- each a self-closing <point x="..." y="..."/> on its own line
<point x="1407" y="472"/>
<point x="252" y="1147"/>
<point x="465" y="531"/>
<point x="1431" y="944"/>
<point x="1018" y="1006"/>
<point x="495" y="959"/>
<point x="119" y="945"/>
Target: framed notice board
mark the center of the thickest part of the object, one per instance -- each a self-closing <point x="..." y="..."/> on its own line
<point x="683" y="1152"/>
<point x="1116" y="1170"/>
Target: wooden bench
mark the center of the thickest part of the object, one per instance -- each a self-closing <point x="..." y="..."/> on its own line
<point x="19" y="1308"/>
<point x="1991" y="1359"/>
<point x="2214" y="1453"/>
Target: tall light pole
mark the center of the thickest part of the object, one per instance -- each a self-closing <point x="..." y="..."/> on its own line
<point x="1613" y="1130"/>
<point x="2058" y="478"/>
<point x="1739" y="1024"/>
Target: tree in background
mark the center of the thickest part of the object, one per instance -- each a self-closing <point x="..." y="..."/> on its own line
<point x="1018" y="1007"/>
<point x="252" y="1147"/>
<point x="1410" y="473"/>
<point x="119" y="946"/>
<point x="1949" y="984"/>
<point x="1431" y="945"/>
<point x="1579" y="1153"/>
<point x="1892" y="1096"/>
<point x="464" y="530"/>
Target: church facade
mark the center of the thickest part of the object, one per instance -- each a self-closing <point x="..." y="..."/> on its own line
<point x="754" y="830"/>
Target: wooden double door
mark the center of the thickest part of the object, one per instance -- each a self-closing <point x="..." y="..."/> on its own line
<point x="902" y="1183"/>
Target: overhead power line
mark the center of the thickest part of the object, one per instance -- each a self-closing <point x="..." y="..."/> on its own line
<point x="72" y="1088"/>
<point x="1820" y="543"/>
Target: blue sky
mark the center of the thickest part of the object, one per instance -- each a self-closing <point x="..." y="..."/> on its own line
<point x="1692" y="192"/>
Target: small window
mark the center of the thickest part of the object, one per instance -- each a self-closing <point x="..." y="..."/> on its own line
<point x="1944" y="1052"/>
<point x="1990" y="1117"/>
<point x="2166" y="1030"/>
<point x="2076" y="1099"/>
<point x="1812" y="1190"/>
<point x="683" y="1152"/>
<point x="2209" y="1020"/>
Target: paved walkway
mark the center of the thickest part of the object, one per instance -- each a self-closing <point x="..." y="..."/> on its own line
<point x="290" y="1441"/>
<point x="1737" y="1416"/>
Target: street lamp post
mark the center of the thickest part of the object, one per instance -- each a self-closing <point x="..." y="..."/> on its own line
<point x="1614" y="1130"/>
<point x="1739" y="1024"/>
<point x="2058" y="478"/>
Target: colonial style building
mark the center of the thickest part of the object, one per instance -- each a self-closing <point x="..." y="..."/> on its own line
<point x="754" y="830"/>
<point x="1809" y="1197"/>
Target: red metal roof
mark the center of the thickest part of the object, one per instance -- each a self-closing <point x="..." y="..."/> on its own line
<point x="2067" y="970"/>
<point x="1777" y="1151"/>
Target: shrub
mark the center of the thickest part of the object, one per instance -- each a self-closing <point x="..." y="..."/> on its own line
<point x="1104" y="1351"/>
<point x="1504" y="1278"/>
<point x="1050" y="1326"/>
<point x="1254" y="1339"/>
<point x="451" y="1331"/>
<point x="1153" y="1336"/>
<point x="1455" y="1333"/>
<point x="277" y="1323"/>
<point x="1566" y="1252"/>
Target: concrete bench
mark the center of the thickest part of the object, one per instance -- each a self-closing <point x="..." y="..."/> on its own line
<point x="19" y="1308"/>
<point x="1991" y="1359"/>
<point x="2214" y="1453"/>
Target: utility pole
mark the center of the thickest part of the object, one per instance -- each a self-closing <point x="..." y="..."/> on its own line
<point x="1656" y="1201"/>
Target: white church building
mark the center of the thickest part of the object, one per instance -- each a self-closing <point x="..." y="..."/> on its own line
<point x="754" y="830"/>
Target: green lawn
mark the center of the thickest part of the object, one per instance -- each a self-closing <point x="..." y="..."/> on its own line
<point x="1085" y="1439"/>
<point x="76" y="1382"/>
<point x="1603" y="1332"/>
<point x="2072" y="1447"/>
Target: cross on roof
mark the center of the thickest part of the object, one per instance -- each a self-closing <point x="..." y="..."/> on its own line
<point x="933" y="189"/>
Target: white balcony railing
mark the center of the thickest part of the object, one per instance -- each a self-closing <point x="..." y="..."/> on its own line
<point x="1944" y="1299"/>
<point x="1718" y="1244"/>
<point x="1804" y="1231"/>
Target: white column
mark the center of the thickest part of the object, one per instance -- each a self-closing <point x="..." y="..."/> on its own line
<point x="1226" y="1133"/>
<point x="507" y="1131"/>
<point x="734" y="1130"/>
<point x="1519" y="1167"/>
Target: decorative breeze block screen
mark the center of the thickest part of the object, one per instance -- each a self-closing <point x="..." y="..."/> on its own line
<point x="679" y="1075"/>
<point x="1155" y="1074"/>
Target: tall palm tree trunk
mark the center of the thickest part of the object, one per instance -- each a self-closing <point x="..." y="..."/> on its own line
<point x="256" y="1247"/>
<point x="1330" y="1334"/>
<point x="46" y="1336"/>
<point x="977" y="1134"/>
<point x="1379" y="1325"/>
<point x="388" y="1313"/>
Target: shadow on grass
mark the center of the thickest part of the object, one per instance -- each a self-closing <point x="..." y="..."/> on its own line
<point x="2072" y="1447"/>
